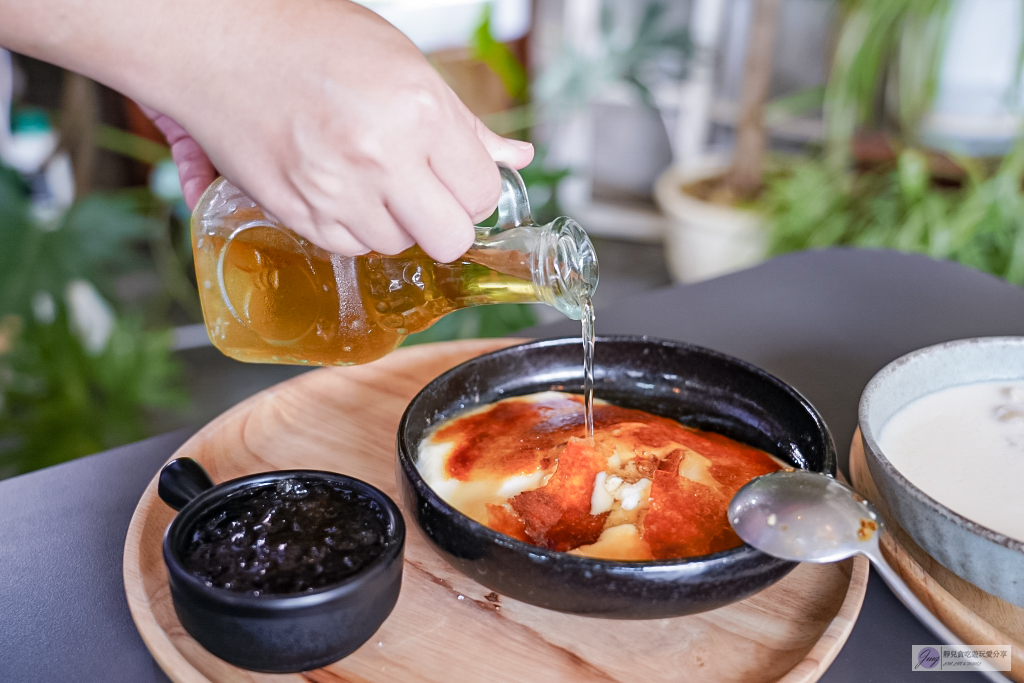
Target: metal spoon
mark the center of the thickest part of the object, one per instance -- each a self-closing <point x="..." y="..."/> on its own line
<point x="809" y="517"/>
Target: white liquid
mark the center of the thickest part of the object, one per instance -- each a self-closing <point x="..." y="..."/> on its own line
<point x="964" y="447"/>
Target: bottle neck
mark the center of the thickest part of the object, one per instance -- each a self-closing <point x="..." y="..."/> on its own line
<point x="557" y="258"/>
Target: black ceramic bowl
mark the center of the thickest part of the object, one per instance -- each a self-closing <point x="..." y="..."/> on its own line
<point x="276" y="633"/>
<point x="696" y="386"/>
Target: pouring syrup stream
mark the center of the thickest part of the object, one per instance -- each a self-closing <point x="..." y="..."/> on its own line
<point x="587" y="320"/>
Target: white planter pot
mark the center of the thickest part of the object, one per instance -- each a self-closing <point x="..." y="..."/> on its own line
<point x="705" y="240"/>
<point x="976" y="110"/>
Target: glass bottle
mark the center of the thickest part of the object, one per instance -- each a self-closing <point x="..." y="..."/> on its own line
<point x="271" y="296"/>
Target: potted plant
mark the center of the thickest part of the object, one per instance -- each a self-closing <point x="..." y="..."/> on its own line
<point x="903" y="194"/>
<point x="602" y="101"/>
<point x="712" y="230"/>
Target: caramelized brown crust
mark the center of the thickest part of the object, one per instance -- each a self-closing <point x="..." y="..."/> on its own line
<point x="686" y="518"/>
<point x="504" y="520"/>
<point x="693" y="473"/>
<point x="511" y="438"/>
<point x="557" y="515"/>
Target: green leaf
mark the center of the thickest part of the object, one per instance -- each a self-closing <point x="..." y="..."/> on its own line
<point x="130" y="145"/>
<point x="499" y="58"/>
<point x="887" y="59"/>
<point x="914" y="174"/>
<point x="97" y="239"/>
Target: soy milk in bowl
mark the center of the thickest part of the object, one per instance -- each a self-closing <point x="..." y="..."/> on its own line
<point x="964" y="447"/>
<point x="943" y="436"/>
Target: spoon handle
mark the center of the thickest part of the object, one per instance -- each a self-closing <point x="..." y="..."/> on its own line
<point x="874" y="554"/>
<point x="907" y="597"/>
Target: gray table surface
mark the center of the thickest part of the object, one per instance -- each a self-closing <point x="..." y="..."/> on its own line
<point x="823" y="321"/>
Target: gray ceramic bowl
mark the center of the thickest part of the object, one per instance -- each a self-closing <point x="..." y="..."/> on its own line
<point x="989" y="560"/>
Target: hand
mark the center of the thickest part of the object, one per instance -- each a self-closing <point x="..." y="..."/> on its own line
<point x="195" y="170"/>
<point x="333" y="122"/>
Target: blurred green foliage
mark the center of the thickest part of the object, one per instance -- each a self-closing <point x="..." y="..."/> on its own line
<point x="884" y="70"/>
<point x="130" y="145"/>
<point x="61" y="402"/>
<point x="542" y="188"/>
<point x="980" y="224"/>
<point x="499" y="58"/>
<point x="92" y="240"/>
<point x="59" y="399"/>
<point x="640" y="54"/>
<point x="884" y="76"/>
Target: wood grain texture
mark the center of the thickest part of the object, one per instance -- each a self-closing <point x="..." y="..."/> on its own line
<point x="975" y="616"/>
<point x="444" y="628"/>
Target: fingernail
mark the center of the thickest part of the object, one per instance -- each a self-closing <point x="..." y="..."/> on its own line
<point x="521" y="144"/>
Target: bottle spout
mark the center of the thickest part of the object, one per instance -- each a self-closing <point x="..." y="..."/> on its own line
<point x="558" y="258"/>
<point x="566" y="272"/>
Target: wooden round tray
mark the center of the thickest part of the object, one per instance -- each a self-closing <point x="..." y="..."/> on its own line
<point x="446" y="627"/>
<point x="976" y="617"/>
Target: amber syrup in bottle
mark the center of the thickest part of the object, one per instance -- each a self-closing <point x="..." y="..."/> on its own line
<point x="270" y="296"/>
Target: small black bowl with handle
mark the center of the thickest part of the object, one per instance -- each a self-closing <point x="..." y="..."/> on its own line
<point x="696" y="386"/>
<point x="277" y="633"/>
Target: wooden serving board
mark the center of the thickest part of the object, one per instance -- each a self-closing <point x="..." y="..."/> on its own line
<point x="446" y="627"/>
<point x="975" y="616"/>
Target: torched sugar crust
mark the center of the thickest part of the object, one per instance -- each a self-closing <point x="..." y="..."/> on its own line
<point x="558" y="514"/>
<point x="520" y="467"/>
